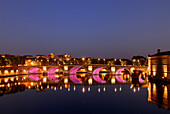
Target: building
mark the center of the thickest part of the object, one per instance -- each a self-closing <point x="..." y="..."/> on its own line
<point x="41" y="56"/>
<point x="139" y="61"/>
<point x="159" y="65"/>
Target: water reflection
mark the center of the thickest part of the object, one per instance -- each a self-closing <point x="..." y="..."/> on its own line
<point x="158" y="93"/>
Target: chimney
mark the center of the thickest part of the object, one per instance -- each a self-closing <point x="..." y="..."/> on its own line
<point x="158" y="50"/>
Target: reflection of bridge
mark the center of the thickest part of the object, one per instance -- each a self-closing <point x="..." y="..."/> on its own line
<point x="69" y="69"/>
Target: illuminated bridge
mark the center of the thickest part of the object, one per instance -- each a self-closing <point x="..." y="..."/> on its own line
<point x="70" y="69"/>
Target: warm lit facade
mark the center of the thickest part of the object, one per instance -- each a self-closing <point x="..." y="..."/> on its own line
<point x="30" y="62"/>
<point x="159" y="65"/>
<point x="159" y="94"/>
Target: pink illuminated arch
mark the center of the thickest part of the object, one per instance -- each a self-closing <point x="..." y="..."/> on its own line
<point x="140" y="78"/>
<point x="98" y="79"/>
<point x="74" y="70"/>
<point x="75" y="79"/>
<point x="34" y="77"/>
<point x="52" y="70"/>
<point x="53" y="78"/>
<point x="34" y="70"/>
<point x="118" y="75"/>
<point x="97" y="70"/>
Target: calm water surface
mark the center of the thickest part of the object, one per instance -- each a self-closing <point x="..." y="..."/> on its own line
<point x="25" y="97"/>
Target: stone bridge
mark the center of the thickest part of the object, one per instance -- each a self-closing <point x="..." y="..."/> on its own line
<point x="70" y="69"/>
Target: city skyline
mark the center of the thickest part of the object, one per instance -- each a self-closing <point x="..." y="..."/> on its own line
<point x="101" y="29"/>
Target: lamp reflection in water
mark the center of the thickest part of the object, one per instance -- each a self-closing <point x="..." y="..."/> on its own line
<point x="83" y="90"/>
<point x="74" y="88"/>
<point x="98" y="90"/>
<point x="115" y="89"/>
<point x="104" y="89"/>
<point x="88" y="89"/>
<point x="120" y="89"/>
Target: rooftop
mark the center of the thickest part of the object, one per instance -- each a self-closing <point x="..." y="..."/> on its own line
<point x="161" y="53"/>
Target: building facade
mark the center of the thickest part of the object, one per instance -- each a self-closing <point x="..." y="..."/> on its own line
<point x="159" y="65"/>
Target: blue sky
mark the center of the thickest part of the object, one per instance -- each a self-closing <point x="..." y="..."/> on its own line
<point x="95" y="28"/>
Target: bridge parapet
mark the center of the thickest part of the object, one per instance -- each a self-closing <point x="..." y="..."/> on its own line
<point x="66" y="69"/>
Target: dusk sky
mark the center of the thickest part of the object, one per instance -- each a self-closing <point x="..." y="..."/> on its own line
<point x="89" y="28"/>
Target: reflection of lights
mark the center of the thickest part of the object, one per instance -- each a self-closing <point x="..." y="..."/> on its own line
<point x="8" y="85"/>
<point x="48" y="87"/>
<point x="131" y="86"/>
<point x="66" y="86"/>
<point x="68" y="89"/>
<point x="44" y="80"/>
<point x="120" y="89"/>
<point x="44" y="68"/>
<point x="154" y="73"/>
<point x="134" y="90"/>
<point x="99" y="90"/>
<point x="55" y="88"/>
<point x="113" y="80"/>
<point x="132" y="69"/>
<point x="29" y="87"/>
<point x="83" y="74"/>
<point x="24" y="70"/>
<point x="90" y="68"/>
<point x="154" y="86"/>
<point x="74" y="88"/>
<point x="83" y="89"/>
<point x="165" y="88"/>
<point x="57" y="70"/>
<point x="19" y="83"/>
<point x="12" y="71"/>
<point x="113" y="69"/>
<point x="6" y="80"/>
<point x="104" y="89"/>
<point x="60" y="87"/>
<point x="65" y="68"/>
<point x="138" y="88"/>
<point x="32" y="83"/>
<point x="165" y="74"/>
<point x="57" y="76"/>
<point x="115" y="89"/>
<point x="90" y="81"/>
<point x="6" y="71"/>
<point x="66" y="80"/>
<point x="88" y="89"/>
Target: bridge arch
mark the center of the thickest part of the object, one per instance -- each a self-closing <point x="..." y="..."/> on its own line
<point x="97" y="70"/>
<point x="98" y="79"/>
<point x="74" y="78"/>
<point x="74" y="70"/>
<point x="142" y="76"/>
<point x="118" y="75"/>
<point x="34" y="77"/>
<point x="35" y="70"/>
<point x="53" y="78"/>
<point x="53" y="70"/>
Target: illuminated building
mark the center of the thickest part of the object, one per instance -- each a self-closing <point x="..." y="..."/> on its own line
<point x="159" y="65"/>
